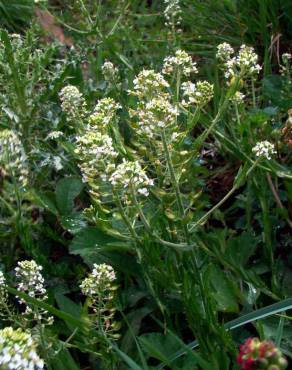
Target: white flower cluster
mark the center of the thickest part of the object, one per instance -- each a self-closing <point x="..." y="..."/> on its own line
<point x="16" y="40"/>
<point x="31" y="282"/>
<point x="99" y="280"/>
<point x="55" y="135"/>
<point x="110" y="72"/>
<point x="18" y="351"/>
<point x="224" y="52"/>
<point x="286" y="57"/>
<point x="181" y="61"/>
<point x="97" y="155"/>
<point x="154" y="115"/>
<point x="154" y="110"/>
<point x="172" y="13"/>
<point x="12" y="157"/>
<point x="72" y="102"/>
<point x="238" y="98"/>
<point x="244" y="64"/>
<point x="148" y="84"/>
<point x="104" y="112"/>
<point x="264" y="149"/>
<point x="100" y="288"/>
<point x="95" y="147"/>
<point x="129" y="175"/>
<point x="197" y="94"/>
<point x="285" y="68"/>
<point x="3" y="286"/>
<point x="30" y="279"/>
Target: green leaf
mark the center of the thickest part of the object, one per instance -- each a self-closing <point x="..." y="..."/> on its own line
<point x="73" y="223"/>
<point x="260" y="314"/>
<point x="241" y="248"/>
<point x="91" y="241"/>
<point x="46" y="200"/>
<point x="159" y="346"/>
<point x="63" y="361"/>
<point x="223" y="291"/>
<point x="66" y="191"/>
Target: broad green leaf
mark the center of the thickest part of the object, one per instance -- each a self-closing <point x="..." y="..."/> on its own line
<point x="159" y="346"/>
<point x="63" y="361"/>
<point x="91" y="240"/>
<point x="46" y="200"/>
<point x="241" y="248"/>
<point x="66" y="191"/>
<point x="223" y="291"/>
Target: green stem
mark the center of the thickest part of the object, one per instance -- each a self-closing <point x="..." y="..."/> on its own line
<point x="184" y="226"/>
<point x="253" y="94"/>
<point x="223" y="200"/>
<point x="200" y="140"/>
<point x="125" y="217"/>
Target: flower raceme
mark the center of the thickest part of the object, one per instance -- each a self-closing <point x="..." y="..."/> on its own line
<point x="3" y="286"/>
<point x="148" y="84"/>
<point x="244" y="64"/>
<point x="104" y="113"/>
<point x="130" y="176"/>
<point x="12" y="157"/>
<point x="18" y="351"/>
<point x="181" y="62"/>
<point x="72" y="102"/>
<point x="198" y="94"/>
<point x="154" y="115"/>
<point x="100" y="279"/>
<point x="97" y="154"/>
<point x="256" y="355"/>
<point x="110" y="72"/>
<point x="99" y="287"/>
<point x="31" y="282"/>
<point x="172" y="13"/>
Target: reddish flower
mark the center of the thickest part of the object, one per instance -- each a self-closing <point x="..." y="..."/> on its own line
<point x="255" y="355"/>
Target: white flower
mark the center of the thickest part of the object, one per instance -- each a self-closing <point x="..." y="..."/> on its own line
<point x="72" y="102"/>
<point x="247" y="60"/>
<point x="3" y="287"/>
<point x="264" y="149"/>
<point x="31" y="282"/>
<point x="130" y="174"/>
<point x="57" y="162"/>
<point x="197" y="94"/>
<point x="96" y="153"/>
<point x="104" y="112"/>
<point x="238" y="98"/>
<point x="172" y="13"/>
<point x="155" y="115"/>
<point x="286" y="56"/>
<point x="224" y="52"/>
<point x="100" y="279"/>
<point x="18" y="351"/>
<point x="12" y="157"/>
<point x="244" y="64"/>
<point x="55" y="134"/>
<point x="110" y="72"/>
<point x="181" y="61"/>
<point x="148" y="84"/>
